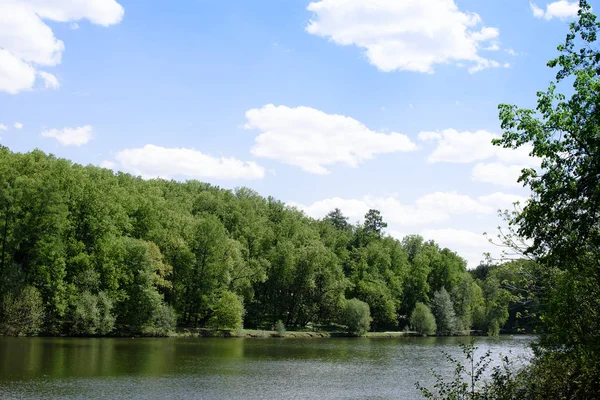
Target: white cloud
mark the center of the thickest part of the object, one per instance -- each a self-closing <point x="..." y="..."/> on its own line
<point x="467" y="244"/>
<point x="431" y="208"/>
<point x="108" y="164"/>
<point x="561" y="9"/>
<point x="70" y="136"/>
<point x="453" y="146"/>
<point x="466" y="147"/>
<point x="3" y="127"/>
<point x="74" y="26"/>
<point x="498" y="174"/>
<point x="18" y="125"/>
<point x="411" y="35"/>
<point x="50" y="81"/>
<point x="501" y="201"/>
<point x="15" y="75"/>
<point x="154" y="161"/>
<point x="311" y="139"/>
<point x="27" y="42"/>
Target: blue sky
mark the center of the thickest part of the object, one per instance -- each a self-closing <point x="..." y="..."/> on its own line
<point x="349" y="103"/>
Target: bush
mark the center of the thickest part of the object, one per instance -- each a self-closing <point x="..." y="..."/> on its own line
<point x="22" y="314"/>
<point x="468" y="382"/>
<point x="422" y="320"/>
<point x="162" y="323"/>
<point x="93" y="315"/>
<point x="229" y="312"/>
<point x="357" y="317"/>
<point x="280" y="328"/>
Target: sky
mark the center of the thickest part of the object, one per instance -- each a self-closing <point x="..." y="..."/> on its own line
<point x="355" y="104"/>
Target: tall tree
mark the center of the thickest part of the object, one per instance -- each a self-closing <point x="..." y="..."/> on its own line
<point x="562" y="218"/>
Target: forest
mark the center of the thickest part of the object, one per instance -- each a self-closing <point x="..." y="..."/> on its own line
<point x="86" y="251"/>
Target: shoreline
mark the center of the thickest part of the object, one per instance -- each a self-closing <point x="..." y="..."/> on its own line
<point x="264" y="334"/>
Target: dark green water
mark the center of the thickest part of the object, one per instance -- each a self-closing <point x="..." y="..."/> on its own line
<point x="50" y="368"/>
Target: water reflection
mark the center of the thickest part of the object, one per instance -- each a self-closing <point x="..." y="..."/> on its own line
<point x="72" y="368"/>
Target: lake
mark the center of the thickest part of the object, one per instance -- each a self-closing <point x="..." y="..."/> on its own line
<point x="340" y="368"/>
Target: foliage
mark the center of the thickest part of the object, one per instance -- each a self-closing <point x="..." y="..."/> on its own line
<point x="422" y="320"/>
<point x="443" y="310"/>
<point x="280" y="328"/>
<point x="115" y="254"/>
<point x="561" y="220"/>
<point x="357" y="317"/>
<point x="229" y="311"/>
<point x="93" y="314"/>
<point x="162" y="323"/>
<point x="22" y="313"/>
<point x="469" y="381"/>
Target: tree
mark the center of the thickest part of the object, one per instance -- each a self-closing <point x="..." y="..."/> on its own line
<point x="357" y="317"/>
<point x="229" y="312"/>
<point x="562" y="218"/>
<point x="23" y="313"/>
<point x="374" y="222"/>
<point x="337" y="219"/>
<point x="466" y="297"/>
<point x="93" y="314"/>
<point x="443" y="310"/>
<point x="422" y="320"/>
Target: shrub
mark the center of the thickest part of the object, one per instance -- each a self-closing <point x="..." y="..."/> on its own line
<point x="93" y="315"/>
<point x="162" y="323"/>
<point x="86" y="315"/>
<point x="357" y="317"/>
<point x="422" y="320"/>
<point x="468" y="383"/>
<point x="280" y="328"/>
<point x="106" y="318"/>
<point x="22" y="314"/>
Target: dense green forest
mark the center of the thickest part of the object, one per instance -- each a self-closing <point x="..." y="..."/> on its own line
<point x="85" y="251"/>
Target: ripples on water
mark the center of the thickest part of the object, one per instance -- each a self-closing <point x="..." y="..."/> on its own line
<point x="42" y="368"/>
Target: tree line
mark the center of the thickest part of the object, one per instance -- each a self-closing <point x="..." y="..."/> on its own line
<point x="86" y="251"/>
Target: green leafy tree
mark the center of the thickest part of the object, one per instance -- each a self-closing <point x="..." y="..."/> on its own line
<point x="422" y="320"/>
<point x="22" y="313"/>
<point x="93" y="314"/>
<point x="229" y="312"/>
<point x="443" y="311"/>
<point x="357" y="317"/>
<point x="337" y="219"/>
<point x="561" y="220"/>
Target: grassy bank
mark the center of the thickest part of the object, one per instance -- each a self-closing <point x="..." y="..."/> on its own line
<point x="257" y="333"/>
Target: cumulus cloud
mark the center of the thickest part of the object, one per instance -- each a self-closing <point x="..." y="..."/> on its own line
<point x="453" y="146"/>
<point x="431" y="208"/>
<point x="27" y="42"/>
<point x="50" y="81"/>
<point x="498" y="174"/>
<point x="311" y="139"/>
<point x="18" y="125"/>
<point x="469" y="245"/>
<point x="70" y="136"/>
<point x="427" y="211"/>
<point x="3" y="127"/>
<point x="560" y="9"/>
<point x="108" y="164"/>
<point x="410" y="35"/>
<point x="153" y="161"/>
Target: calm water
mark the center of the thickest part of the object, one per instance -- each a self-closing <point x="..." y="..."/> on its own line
<point x="41" y="368"/>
